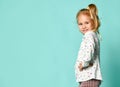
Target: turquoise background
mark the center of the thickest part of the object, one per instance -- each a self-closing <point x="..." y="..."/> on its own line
<point x="39" y="42"/>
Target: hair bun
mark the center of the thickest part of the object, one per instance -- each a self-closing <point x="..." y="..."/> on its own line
<point x="93" y="8"/>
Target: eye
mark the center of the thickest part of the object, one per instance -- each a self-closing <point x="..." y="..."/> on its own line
<point x="86" y="22"/>
<point x="79" y="23"/>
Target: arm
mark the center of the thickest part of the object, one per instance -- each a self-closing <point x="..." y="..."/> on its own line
<point x="86" y="52"/>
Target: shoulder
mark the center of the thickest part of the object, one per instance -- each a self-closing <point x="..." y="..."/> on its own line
<point x="89" y="34"/>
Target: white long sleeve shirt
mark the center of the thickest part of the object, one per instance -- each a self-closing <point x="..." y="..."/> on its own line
<point x="89" y="52"/>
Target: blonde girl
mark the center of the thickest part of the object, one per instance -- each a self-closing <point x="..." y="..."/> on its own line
<point x="87" y="67"/>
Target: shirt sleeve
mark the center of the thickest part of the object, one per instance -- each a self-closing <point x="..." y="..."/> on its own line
<point x="86" y="52"/>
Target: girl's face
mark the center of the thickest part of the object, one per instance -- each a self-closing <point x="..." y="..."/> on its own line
<point x="85" y="23"/>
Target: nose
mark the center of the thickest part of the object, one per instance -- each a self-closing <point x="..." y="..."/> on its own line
<point x="83" y="26"/>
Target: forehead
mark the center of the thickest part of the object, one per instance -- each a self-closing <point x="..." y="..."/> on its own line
<point x="83" y="17"/>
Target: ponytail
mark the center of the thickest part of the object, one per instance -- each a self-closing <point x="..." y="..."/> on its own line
<point x="94" y="16"/>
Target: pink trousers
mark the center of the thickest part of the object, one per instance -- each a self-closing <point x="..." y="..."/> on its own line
<point x="90" y="83"/>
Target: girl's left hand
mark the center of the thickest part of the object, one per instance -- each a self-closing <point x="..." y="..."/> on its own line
<point x="80" y="67"/>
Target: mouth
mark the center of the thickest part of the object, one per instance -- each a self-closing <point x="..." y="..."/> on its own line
<point x="85" y="30"/>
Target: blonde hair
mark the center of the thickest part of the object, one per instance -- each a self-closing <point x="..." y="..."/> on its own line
<point x="91" y="11"/>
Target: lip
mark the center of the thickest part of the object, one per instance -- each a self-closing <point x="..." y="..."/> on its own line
<point x="85" y="30"/>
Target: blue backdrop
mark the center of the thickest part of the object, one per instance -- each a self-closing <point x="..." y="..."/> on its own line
<point x="39" y="42"/>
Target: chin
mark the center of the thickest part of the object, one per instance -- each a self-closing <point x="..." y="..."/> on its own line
<point x="84" y="32"/>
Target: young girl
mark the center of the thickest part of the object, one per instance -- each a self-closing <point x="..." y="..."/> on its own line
<point x="87" y="67"/>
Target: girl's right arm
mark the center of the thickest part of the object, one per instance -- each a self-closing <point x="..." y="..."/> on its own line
<point x="87" y="52"/>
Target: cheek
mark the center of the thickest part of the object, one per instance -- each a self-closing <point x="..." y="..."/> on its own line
<point x="80" y="29"/>
<point x="92" y="25"/>
<point x="79" y="26"/>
